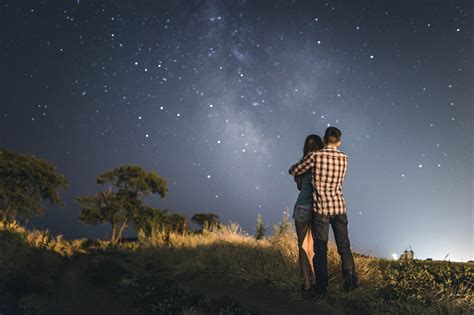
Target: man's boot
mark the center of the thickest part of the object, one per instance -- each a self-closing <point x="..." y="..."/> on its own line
<point x="350" y="280"/>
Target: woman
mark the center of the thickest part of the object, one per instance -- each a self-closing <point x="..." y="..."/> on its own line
<point x="302" y="214"/>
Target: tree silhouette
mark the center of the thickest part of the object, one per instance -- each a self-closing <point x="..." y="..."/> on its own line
<point x="177" y="223"/>
<point x="25" y="182"/>
<point x="284" y="226"/>
<point x="260" y="228"/>
<point x="154" y="219"/>
<point x="151" y="219"/>
<point x="122" y="203"/>
<point x="207" y="221"/>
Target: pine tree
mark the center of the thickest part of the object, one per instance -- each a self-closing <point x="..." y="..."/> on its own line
<point x="260" y="228"/>
<point x="284" y="227"/>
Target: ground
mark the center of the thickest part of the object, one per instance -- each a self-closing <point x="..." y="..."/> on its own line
<point x="225" y="272"/>
<point x="83" y="289"/>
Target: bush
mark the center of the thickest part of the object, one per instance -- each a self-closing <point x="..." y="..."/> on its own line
<point x="24" y="270"/>
<point x="419" y="283"/>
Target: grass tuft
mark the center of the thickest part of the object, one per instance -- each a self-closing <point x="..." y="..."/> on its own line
<point x="29" y="261"/>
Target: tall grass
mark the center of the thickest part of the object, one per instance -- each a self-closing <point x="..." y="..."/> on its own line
<point x="384" y="285"/>
<point x="44" y="239"/>
<point x="230" y="253"/>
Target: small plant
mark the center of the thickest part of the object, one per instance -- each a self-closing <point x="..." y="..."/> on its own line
<point x="417" y="282"/>
<point x="260" y="228"/>
<point x="284" y="226"/>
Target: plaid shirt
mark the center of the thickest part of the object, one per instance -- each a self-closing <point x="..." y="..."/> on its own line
<point x="328" y="168"/>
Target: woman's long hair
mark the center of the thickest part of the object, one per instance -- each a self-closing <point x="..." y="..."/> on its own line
<point x="312" y="143"/>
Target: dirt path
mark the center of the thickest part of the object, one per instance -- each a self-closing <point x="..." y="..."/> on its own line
<point x="260" y="299"/>
<point x="87" y="282"/>
<point x="76" y="293"/>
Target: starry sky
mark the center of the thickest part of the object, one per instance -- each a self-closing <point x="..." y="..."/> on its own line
<point x="218" y="96"/>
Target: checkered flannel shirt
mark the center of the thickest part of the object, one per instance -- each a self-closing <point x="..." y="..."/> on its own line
<point x="328" y="168"/>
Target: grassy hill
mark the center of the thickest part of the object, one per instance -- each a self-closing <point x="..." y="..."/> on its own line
<point x="220" y="272"/>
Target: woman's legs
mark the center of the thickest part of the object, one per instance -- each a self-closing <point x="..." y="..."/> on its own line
<point x="308" y="246"/>
<point x="305" y="248"/>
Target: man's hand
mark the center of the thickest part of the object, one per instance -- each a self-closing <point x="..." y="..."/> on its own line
<point x="303" y="165"/>
<point x="298" y="182"/>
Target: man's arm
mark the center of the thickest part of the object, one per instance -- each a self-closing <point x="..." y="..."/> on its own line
<point x="298" y="182"/>
<point x="303" y="165"/>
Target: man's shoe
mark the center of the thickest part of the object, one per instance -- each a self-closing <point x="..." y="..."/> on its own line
<point x="349" y="288"/>
<point x="350" y="280"/>
<point x="320" y="292"/>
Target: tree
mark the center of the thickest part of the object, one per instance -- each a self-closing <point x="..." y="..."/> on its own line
<point x="284" y="227"/>
<point x="177" y="223"/>
<point x="207" y="221"/>
<point x="260" y="228"/>
<point x="154" y="219"/>
<point x="123" y="203"/>
<point x="151" y="219"/>
<point x="199" y="219"/>
<point x="25" y="183"/>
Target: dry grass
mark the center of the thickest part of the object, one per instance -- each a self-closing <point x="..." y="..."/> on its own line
<point x="230" y="251"/>
<point x="45" y="240"/>
<point x="385" y="286"/>
<point x="227" y="252"/>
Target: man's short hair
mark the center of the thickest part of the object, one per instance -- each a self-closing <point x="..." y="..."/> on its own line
<point x="332" y="135"/>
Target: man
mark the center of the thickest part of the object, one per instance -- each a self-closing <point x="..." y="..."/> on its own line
<point x="328" y="167"/>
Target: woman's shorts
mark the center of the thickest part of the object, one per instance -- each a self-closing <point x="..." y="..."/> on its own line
<point x="303" y="213"/>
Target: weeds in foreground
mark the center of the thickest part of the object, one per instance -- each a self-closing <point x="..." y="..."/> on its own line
<point x="28" y="257"/>
<point x="152" y="293"/>
<point x="417" y="283"/>
<point x="45" y="240"/>
<point x="385" y="286"/>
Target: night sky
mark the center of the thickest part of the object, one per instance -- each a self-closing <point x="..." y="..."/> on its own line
<point x="218" y="96"/>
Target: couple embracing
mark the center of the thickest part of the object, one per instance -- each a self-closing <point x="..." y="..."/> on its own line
<point x="319" y="177"/>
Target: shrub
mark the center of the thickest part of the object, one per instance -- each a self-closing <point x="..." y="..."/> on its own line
<point x="260" y="228"/>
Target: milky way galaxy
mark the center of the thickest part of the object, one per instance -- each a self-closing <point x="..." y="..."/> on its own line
<point x="218" y="96"/>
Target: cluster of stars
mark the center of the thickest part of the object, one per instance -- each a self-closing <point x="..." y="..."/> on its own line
<point x="239" y="90"/>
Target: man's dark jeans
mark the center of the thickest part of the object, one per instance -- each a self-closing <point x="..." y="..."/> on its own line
<point x="320" y="230"/>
